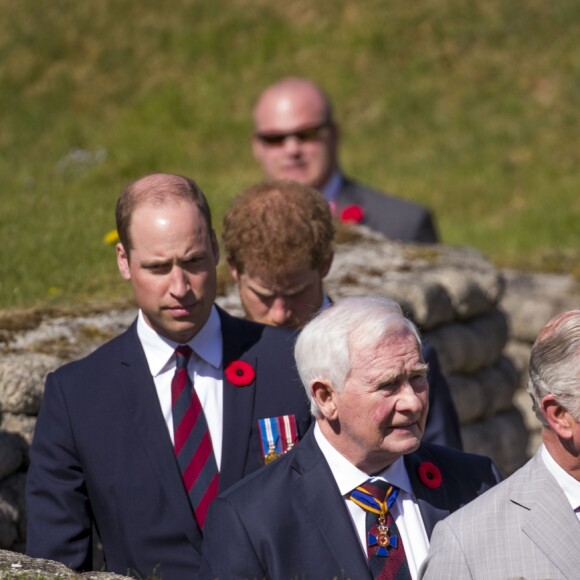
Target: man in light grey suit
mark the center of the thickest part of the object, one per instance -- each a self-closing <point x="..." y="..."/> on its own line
<point x="528" y="526"/>
<point x="295" y="137"/>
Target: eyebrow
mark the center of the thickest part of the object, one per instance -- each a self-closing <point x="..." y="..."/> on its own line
<point x="422" y="368"/>
<point x="152" y="263"/>
<point x="155" y="262"/>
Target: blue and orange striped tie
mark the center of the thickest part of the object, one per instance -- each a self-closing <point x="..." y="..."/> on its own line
<point x="385" y="550"/>
<point x="192" y="440"/>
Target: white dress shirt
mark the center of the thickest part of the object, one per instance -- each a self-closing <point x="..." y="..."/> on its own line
<point x="570" y="486"/>
<point x="405" y="511"/>
<point x="204" y="368"/>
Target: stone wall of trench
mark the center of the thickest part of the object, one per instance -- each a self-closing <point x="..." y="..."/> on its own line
<point x="453" y="294"/>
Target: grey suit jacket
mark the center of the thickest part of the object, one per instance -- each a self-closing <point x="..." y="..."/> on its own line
<point x="522" y="528"/>
<point x="396" y="218"/>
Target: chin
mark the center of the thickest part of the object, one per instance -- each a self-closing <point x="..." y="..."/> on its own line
<point x="185" y="327"/>
<point x="298" y="175"/>
<point x="406" y="444"/>
<point x="413" y="446"/>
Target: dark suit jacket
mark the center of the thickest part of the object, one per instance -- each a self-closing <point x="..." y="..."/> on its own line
<point x="102" y="452"/>
<point x="396" y="218"/>
<point x="289" y="520"/>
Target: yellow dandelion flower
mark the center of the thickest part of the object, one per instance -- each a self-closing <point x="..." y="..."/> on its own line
<point x="111" y="237"/>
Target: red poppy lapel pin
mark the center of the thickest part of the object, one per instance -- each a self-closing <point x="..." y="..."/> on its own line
<point x="430" y="475"/>
<point x="352" y="214"/>
<point x="240" y="373"/>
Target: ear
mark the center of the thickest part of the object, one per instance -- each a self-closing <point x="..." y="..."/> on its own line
<point x="559" y="419"/>
<point x="324" y="395"/>
<point x="234" y="271"/>
<point x="325" y="268"/>
<point x="123" y="262"/>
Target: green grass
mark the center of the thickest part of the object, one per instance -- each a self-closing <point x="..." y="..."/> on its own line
<point x="468" y="107"/>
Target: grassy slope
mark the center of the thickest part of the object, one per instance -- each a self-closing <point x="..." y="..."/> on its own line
<point x="470" y="108"/>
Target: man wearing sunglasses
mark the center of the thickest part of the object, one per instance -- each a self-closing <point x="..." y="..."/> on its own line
<point x="295" y="137"/>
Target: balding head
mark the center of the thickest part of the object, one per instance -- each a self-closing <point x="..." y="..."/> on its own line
<point x="169" y="253"/>
<point x="157" y="188"/>
<point x="294" y="134"/>
<point x="292" y="93"/>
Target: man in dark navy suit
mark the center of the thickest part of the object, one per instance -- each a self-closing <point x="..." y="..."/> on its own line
<point x="278" y="239"/>
<point x="137" y="438"/>
<point x="360" y="495"/>
<point x="295" y="137"/>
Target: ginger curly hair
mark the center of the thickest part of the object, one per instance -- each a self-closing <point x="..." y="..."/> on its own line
<point x="278" y="227"/>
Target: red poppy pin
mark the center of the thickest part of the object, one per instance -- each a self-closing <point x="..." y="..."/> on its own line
<point x="352" y="214"/>
<point x="240" y="373"/>
<point x="430" y="475"/>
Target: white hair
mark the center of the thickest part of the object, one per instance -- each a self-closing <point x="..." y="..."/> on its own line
<point x="323" y="348"/>
<point x="555" y="365"/>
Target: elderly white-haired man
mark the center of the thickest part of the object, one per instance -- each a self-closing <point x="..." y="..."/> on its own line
<point x="359" y="496"/>
<point x="528" y="527"/>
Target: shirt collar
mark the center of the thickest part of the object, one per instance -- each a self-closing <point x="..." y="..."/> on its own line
<point x="332" y="186"/>
<point x="570" y="486"/>
<point x="348" y="476"/>
<point x="207" y="344"/>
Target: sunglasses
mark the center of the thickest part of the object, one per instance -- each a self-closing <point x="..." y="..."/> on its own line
<point x="304" y="135"/>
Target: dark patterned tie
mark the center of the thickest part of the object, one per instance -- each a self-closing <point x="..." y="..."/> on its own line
<point x="385" y="550"/>
<point x="192" y="441"/>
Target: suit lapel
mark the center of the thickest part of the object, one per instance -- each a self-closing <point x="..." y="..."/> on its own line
<point x="433" y="503"/>
<point x="318" y="492"/>
<point x="145" y="413"/>
<point x="550" y="523"/>
<point x="238" y="404"/>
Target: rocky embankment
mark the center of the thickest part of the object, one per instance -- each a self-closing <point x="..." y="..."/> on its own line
<point x="17" y="566"/>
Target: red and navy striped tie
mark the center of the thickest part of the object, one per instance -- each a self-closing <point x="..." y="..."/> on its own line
<point x="192" y="440"/>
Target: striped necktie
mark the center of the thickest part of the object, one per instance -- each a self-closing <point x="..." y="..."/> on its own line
<point x="385" y="550"/>
<point x="192" y="440"/>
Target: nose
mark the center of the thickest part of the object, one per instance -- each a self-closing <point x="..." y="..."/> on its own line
<point x="280" y="312"/>
<point x="409" y="400"/>
<point x="291" y="145"/>
<point x="179" y="283"/>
